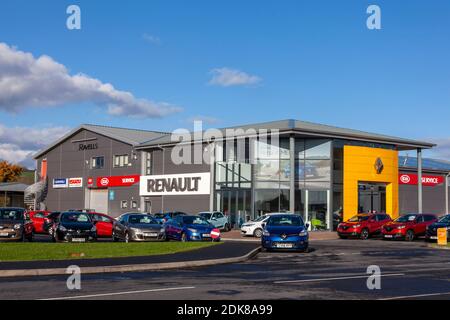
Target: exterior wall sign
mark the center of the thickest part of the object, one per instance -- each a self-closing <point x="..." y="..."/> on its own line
<point x="75" y="182"/>
<point x="60" y="183"/>
<point x="87" y="146"/>
<point x="90" y="182"/>
<point x="413" y="179"/>
<point x="175" y="184"/>
<point x="117" y="181"/>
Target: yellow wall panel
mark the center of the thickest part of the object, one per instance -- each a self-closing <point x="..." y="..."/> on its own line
<point x="359" y="166"/>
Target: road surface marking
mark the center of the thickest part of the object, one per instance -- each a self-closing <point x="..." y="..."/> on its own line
<point x="417" y="296"/>
<point x="337" y="278"/>
<point x="119" y="293"/>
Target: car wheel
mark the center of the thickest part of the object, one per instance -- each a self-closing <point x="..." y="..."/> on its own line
<point x="409" y="235"/>
<point x="258" y="233"/>
<point x="31" y="237"/>
<point x="114" y="238"/>
<point x="342" y="237"/>
<point x="364" y="234"/>
<point x="183" y="237"/>
<point x="127" y="238"/>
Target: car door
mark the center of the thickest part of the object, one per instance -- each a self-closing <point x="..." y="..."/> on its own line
<point x="215" y="220"/>
<point x="177" y="227"/>
<point x="103" y="225"/>
<point x="120" y="228"/>
<point x="38" y="221"/>
<point x="222" y="220"/>
<point x="419" y="226"/>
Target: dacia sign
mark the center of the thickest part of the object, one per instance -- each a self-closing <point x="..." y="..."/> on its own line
<point x="175" y="184"/>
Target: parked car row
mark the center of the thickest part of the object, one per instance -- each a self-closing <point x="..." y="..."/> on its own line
<point x="85" y="225"/>
<point x="407" y="227"/>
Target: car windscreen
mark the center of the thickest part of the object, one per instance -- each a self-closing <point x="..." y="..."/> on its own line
<point x="141" y="219"/>
<point x="195" y="220"/>
<point x="287" y="221"/>
<point x="406" y="218"/>
<point x="358" y="218"/>
<point x="445" y="219"/>
<point x="159" y="215"/>
<point x="75" y="217"/>
<point x="11" y="214"/>
<point x="205" y="215"/>
<point x="261" y="218"/>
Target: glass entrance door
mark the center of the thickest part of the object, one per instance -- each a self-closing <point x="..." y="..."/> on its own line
<point x="235" y="204"/>
<point x="371" y="197"/>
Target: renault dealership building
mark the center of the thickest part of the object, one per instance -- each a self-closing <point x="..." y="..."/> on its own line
<point x="322" y="172"/>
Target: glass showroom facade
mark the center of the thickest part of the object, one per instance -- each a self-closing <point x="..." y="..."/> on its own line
<point x="260" y="181"/>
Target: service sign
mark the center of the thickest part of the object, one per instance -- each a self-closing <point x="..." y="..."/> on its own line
<point x="60" y="183"/>
<point x="117" y="181"/>
<point x="442" y="236"/>
<point x="75" y="182"/>
<point x="175" y="184"/>
<point x="413" y="179"/>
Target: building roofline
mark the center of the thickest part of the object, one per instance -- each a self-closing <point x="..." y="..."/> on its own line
<point x="92" y="128"/>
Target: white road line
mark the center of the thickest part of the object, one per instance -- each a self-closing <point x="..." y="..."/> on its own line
<point x="338" y="278"/>
<point x="417" y="296"/>
<point x="119" y="293"/>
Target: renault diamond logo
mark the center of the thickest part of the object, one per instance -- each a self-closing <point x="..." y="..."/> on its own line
<point x="283" y="236"/>
<point x="379" y="166"/>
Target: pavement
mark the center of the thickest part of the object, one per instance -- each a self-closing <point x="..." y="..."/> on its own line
<point x="228" y="250"/>
<point x="335" y="269"/>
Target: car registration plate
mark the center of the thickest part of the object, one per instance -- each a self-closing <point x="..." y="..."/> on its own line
<point x="206" y="235"/>
<point x="388" y="235"/>
<point x="284" y="245"/>
<point x="3" y="234"/>
<point x="151" y="234"/>
<point x="78" y="240"/>
<point x="433" y="237"/>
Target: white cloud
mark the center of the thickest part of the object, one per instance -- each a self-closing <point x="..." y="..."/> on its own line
<point x="18" y="144"/>
<point x="26" y="81"/>
<point x="226" y="77"/>
<point x="151" y="39"/>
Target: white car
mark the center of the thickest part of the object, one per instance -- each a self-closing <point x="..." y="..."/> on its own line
<point x="254" y="228"/>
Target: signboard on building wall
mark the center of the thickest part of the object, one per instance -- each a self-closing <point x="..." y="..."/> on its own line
<point x="75" y="182"/>
<point x="175" y="184"/>
<point x="413" y="179"/>
<point x="117" y="181"/>
<point x="60" y="183"/>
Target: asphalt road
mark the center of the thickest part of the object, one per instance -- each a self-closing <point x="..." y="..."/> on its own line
<point x="332" y="270"/>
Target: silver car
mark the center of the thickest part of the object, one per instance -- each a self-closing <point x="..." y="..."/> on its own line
<point x="138" y="227"/>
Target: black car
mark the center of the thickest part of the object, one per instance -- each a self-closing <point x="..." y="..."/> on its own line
<point x="74" y="227"/>
<point x="443" y="222"/>
<point x="15" y="225"/>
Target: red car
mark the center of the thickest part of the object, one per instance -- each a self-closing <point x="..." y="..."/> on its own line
<point x="408" y="227"/>
<point x="103" y="223"/>
<point x="363" y="225"/>
<point x="39" y="218"/>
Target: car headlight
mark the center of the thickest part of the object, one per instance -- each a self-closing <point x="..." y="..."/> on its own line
<point x="303" y="233"/>
<point x="356" y="226"/>
<point x="94" y="229"/>
<point x="248" y="224"/>
<point x="339" y="225"/>
<point x="17" y="226"/>
<point x="266" y="233"/>
<point x="162" y="230"/>
<point x="192" y="230"/>
<point x="401" y="227"/>
<point x="136" y="230"/>
<point x="62" y="228"/>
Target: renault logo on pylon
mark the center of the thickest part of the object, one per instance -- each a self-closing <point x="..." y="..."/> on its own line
<point x="379" y="166"/>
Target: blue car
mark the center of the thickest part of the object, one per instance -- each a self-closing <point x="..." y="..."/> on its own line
<point x="163" y="217"/>
<point x="285" y="232"/>
<point x="191" y="228"/>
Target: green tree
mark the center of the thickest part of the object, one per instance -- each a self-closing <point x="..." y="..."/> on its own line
<point x="10" y="172"/>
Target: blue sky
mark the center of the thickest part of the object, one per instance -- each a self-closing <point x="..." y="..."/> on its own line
<point x="311" y="60"/>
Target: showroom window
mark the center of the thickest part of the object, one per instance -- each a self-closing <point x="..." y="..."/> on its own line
<point x="148" y="163"/>
<point x="124" y="204"/>
<point x="97" y="162"/>
<point x="121" y="161"/>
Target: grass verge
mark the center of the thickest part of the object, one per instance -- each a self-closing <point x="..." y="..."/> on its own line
<point x="64" y="251"/>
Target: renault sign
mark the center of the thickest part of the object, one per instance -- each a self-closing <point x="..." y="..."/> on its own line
<point x="175" y="184"/>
